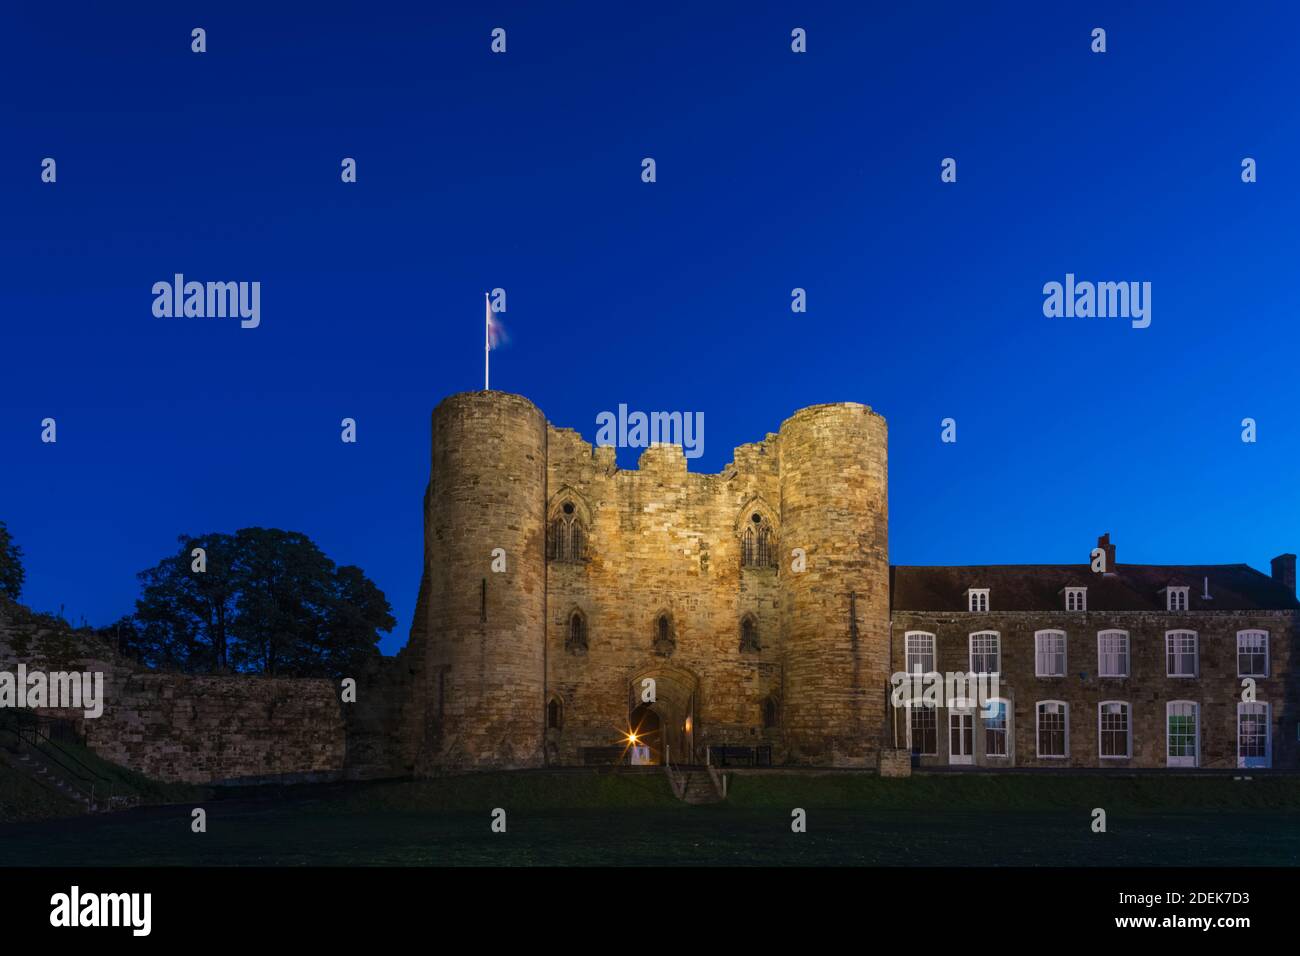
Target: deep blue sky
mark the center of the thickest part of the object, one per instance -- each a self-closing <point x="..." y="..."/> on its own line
<point x="775" y="170"/>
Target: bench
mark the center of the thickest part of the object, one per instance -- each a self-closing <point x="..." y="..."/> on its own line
<point x="603" y="756"/>
<point x="732" y="756"/>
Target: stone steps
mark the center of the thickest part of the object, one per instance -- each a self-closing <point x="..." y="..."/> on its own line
<point x="695" y="785"/>
<point x="40" y="771"/>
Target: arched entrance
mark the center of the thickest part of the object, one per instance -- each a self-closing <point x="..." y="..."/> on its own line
<point x="662" y="698"/>
<point x="645" y="729"/>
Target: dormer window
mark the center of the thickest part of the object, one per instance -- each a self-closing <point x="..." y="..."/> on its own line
<point x="1176" y="599"/>
<point x="978" y="599"/>
<point x="1076" y="599"/>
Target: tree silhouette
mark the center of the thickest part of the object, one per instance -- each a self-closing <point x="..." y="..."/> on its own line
<point x="269" y="601"/>
<point x="11" y="565"/>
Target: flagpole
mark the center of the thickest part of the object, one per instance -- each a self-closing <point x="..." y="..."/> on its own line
<point x="487" y="338"/>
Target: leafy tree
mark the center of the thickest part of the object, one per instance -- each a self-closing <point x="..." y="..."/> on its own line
<point x="270" y="601"/>
<point x="357" y="614"/>
<point x="285" y="591"/>
<point x="183" y="614"/>
<point x="125" y="635"/>
<point x="11" y="565"/>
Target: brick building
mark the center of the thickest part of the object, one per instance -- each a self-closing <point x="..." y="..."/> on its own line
<point x="1136" y="666"/>
<point x="760" y="606"/>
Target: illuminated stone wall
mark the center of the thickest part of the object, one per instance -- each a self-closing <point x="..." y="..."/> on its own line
<point x="660" y="541"/>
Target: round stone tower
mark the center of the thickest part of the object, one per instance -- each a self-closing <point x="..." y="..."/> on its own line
<point x="835" y="613"/>
<point x="483" y="670"/>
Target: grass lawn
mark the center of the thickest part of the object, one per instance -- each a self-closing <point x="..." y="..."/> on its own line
<point x="606" y="819"/>
<point x="23" y="798"/>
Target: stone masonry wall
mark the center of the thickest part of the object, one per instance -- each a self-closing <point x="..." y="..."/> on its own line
<point x="209" y="729"/>
<point x="663" y="540"/>
<point x="187" y="728"/>
<point x="834" y="504"/>
<point x="666" y="541"/>
<point x="1217" y="690"/>
<point x="482" y="671"/>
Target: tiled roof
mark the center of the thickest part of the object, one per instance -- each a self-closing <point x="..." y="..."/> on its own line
<point x="1132" y="587"/>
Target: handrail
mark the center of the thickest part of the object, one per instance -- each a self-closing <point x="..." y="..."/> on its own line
<point x="678" y="791"/>
<point x="33" y="732"/>
<point x="719" y="779"/>
<point x="94" y="774"/>
<point x="55" y="757"/>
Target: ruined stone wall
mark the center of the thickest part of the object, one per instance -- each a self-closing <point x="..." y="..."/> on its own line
<point x="188" y="728"/>
<point x="388" y="726"/>
<point x="1147" y="689"/>
<point x="221" y="729"/>
<point x="378" y="744"/>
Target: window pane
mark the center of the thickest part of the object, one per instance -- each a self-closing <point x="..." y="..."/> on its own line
<point x="1050" y="654"/>
<point x="1113" y="654"/>
<point x="1051" y="730"/>
<point x="984" y="653"/>
<point x="1252" y="730"/>
<point x="1181" y="653"/>
<point x="1182" y="730"/>
<point x="925" y="730"/>
<point x="1114" y="730"/>
<point x="995" y="732"/>
<point x="920" y="653"/>
<point x="1252" y="653"/>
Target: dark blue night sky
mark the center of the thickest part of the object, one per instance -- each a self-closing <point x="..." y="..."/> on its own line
<point x="522" y="171"/>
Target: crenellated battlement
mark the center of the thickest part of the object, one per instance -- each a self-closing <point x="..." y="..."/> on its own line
<point x="758" y="592"/>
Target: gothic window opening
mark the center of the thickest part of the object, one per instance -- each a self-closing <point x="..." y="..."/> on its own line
<point x="575" y="640"/>
<point x="758" y="543"/>
<point x="566" y="538"/>
<point x="554" y="714"/>
<point x="771" y="713"/>
<point x="665" y="641"/>
<point x="749" y="635"/>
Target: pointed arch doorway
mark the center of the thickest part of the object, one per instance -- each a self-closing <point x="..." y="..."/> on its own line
<point x="645" y="728"/>
<point x="664" y="710"/>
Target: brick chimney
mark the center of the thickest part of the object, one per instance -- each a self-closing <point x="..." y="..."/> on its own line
<point x="1104" y="543"/>
<point x="1284" y="571"/>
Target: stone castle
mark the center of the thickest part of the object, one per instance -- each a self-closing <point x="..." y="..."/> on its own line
<point x="748" y="616"/>
<point x="613" y="577"/>
<point x="760" y="605"/>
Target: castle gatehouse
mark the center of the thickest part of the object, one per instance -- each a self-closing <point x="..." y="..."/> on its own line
<point x="572" y="612"/>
